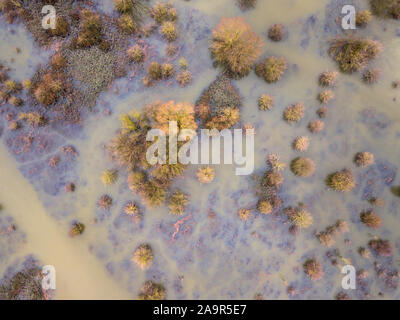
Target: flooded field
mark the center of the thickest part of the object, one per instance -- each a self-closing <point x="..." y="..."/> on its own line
<point x="208" y="252"/>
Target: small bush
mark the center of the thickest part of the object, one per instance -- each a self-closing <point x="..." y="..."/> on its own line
<point x="90" y="29"/>
<point x="246" y="4"/>
<point x="235" y="46"/>
<point x="325" y="96"/>
<point x="136" y="54"/>
<point x="276" y="32"/>
<point x="371" y="76"/>
<point x="316" y="126"/>
<point x="328" y="78"/>
<point x="364" y="159"/>
<point x="352" y="54"/>
<point x="154" y="71"/>
<point x="163" y="12"/>
<point x="152" y="291"/>
<point x="77" y="229"/>
<point x="301" y="143"/>
<point x="169" y="31"/>
<point x="300" y="218"/>
<point x="131" y="208"/>
<point x="62" y="27"/>
<point x="302" y="167"/>
<point x="109" y="177"/>
<point x="313" y="269"/>
<point x="273" y="179"/>
<point x="271" y="69"/>
<point x="206" y="174"/>
<point x="342" y="181"/>
<point x="105" y="202"/>
<point x="244" y="214"/>
<point x="362" y="18"/>
<point x="322" y="112"/>
<point x="15" y="101"/>
<point x="33" y="118"/>
<point x="265" y="102"/>
<point x="127" y="24"/>
<point x="143" y="256"/>
<point x="167" y="70"/>
<point x="381" y="247"/>
<point x="184" y="78"/>
<point x="177" y="202"/>
<point x="294" y="112"/>
<point x="386" y="8"/>
<point x="48" y="90"/>
<point x="371" y="219"/>
<point x="264" y="206"/>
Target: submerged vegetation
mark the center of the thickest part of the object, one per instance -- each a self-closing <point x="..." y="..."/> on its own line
<point x="235" y="46"/>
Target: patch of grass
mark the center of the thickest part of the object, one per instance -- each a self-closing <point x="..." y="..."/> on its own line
<point x="15" y="101"/>
<point x="342" y="181"/>
<point x="235" y="46"/>
<point x="352" y="54"/>
<point x="271" y="69"/>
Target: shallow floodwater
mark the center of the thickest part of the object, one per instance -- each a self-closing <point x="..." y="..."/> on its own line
<point x="222" y="258"/>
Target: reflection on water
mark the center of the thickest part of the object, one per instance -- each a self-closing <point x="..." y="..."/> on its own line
<point x="223" y="257"/>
